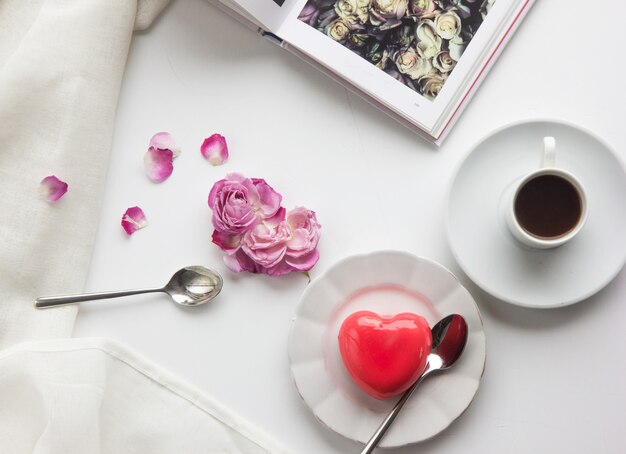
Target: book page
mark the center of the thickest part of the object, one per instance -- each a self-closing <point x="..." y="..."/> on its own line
<point x="269" y="14"/>
<point x="417" y="57"/>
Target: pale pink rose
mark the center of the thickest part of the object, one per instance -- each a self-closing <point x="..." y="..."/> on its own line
<point x="266" y="246"/>
<point x="52" y="189"/>
<point x="239" y="203"/>
<point x="302" y="252"/>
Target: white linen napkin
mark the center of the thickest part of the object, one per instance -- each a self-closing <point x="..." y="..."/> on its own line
<point x="61" y="66"/>
<point x="92" y="396"/>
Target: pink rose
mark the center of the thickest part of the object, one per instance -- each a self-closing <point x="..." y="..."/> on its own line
<point x="239" y="203"/>
<point x="302" y="252"/>
<point x="256" y="233"/>
<point x="266" y="245"/>
<point x="277" y="250"/>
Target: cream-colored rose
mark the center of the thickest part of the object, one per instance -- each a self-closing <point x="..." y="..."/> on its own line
<point x="358" y="39"/>
<point x="456" y="47"/>
<point x="345" y="8"/>
<point x="431" y="84"/>
<point x="428" y="41"/>
<point x="410" y="63"/>
<point x="382" y="11"/>
<point x="384" y="60"/>
<point x="338" y="30"/>
<point x="351" y="10"/>
<point x="448" y="24"/>
<point x="425" y="9"/>
<point x="444" y="62"/>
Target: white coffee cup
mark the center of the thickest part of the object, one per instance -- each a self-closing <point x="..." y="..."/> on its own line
<point x="547" y="207"/>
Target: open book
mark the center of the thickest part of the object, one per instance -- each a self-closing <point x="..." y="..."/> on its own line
<point x="418" y="60"/>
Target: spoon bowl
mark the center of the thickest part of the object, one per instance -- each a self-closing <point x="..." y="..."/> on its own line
<point x="189" y="286"/>
<point x="194" y="285"/>
<point x="449" y="340"/>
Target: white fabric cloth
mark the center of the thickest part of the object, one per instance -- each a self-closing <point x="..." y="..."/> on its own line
<point x="91" y="396"/>
<point x="61" y="67"/>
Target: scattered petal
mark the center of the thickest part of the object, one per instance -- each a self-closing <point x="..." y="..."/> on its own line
<point x="165" y="141"/>
<point x="52" y="189"/>
<point x="215" y="150"/>
<point x="133" y="220"/>
<point x="158" y="163"/>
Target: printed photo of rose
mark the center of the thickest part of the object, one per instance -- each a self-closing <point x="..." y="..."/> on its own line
<point x="417" y="42"/>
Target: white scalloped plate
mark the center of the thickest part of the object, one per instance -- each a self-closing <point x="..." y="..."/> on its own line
<point x="386" y="282"/>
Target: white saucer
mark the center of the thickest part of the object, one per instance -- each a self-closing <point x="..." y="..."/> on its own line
<point x="386" y="282"/>
<point x="494" y="260"/>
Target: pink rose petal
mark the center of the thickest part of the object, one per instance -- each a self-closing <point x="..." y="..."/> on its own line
<point x="232" y="263"/>
<point x="268" y="199"/>
<point x="279" y="270"/>
<point x="52" y="189"/>
<point x="158" y="163"/>
<point x="276" y="219"/>
<point x="304" y="262"/>
<point x="239" y="262"/>
<point x="165" y="141"/>
<point x="133" y="220"/>
<point x="227" y="243"/>
<point x="215" y="150"/>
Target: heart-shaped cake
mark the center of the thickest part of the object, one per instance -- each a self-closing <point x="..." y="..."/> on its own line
<point x="384" y="355"/>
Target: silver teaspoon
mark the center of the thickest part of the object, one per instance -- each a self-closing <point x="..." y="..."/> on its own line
<point x="449" y="339"/>
<point x="190" y="286"/>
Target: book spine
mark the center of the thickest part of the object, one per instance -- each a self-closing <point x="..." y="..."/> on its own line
<point x="272" y="37"/>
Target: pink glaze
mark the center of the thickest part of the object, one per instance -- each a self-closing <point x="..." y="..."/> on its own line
<point x="384" y="355"/>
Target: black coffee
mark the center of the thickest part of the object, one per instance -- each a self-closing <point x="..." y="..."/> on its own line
<point x="548" y="206"/>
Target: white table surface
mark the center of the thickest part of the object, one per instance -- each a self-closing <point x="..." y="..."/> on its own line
<point x="555" y="380"/>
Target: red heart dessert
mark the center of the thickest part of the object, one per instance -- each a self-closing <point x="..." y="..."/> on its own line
<point x="384" y="355"/>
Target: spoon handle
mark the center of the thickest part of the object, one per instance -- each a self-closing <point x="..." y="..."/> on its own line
<point x="53" y="301"/>
<point x="384" y="426"/>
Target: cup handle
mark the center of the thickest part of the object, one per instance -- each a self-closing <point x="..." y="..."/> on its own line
<point x="548" y="156"/>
